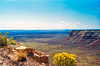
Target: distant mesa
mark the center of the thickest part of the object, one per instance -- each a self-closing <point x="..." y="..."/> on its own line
<point x="84" y="38"/>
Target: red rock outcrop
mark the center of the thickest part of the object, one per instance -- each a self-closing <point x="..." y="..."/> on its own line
<point x="95" y="44"/>
<point x="87" y="38"/>
<point x="28" y="56"/>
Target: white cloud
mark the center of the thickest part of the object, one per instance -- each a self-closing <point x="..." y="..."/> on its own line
<point x="70" y="25"/>
<point x="45" y="25"/>
<point x="86" y="25"/>
<point x="78" y="22"/>
<point x="74" y="25"/>
<point x="27" y="22"/>
<point x="62" y="21"/>
<point x="33" y="24"/>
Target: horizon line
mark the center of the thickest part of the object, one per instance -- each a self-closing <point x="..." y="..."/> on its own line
<point x="49" y="29"/>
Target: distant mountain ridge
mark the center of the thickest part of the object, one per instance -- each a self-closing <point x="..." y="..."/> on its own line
<point x="87" y="38"/>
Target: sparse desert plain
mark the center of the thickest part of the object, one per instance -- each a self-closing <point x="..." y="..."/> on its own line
<point x="52" y="43"/>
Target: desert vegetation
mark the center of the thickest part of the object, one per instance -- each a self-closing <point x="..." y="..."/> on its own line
<point x="64" y="59"/>
<point x="13" y="42"/>
<point x="83" y="56"/>
<point x="55" y="44"/>
<point x="20" y="55"/>
<point x="4" y="41"/>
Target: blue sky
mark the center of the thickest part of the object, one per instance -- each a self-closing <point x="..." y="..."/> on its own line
<point x="49" y="14"/>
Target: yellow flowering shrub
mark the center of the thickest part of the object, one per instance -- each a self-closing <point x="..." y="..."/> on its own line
<point x="64" y="59"/>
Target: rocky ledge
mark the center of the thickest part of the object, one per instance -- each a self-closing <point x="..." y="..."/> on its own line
<point x="14" y="55"/>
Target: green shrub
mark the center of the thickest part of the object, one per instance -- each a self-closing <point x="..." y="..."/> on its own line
<point x="3" y="41"/>
<point x="13" y="42"/>
<point x="0" y="33"/>
<point x="7" y="41"/>
<point x="64" y="59"/>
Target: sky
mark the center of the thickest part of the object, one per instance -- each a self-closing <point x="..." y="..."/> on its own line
<point x="49" y="14"/>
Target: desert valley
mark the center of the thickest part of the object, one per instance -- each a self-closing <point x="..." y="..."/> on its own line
<point x="85" y="44"/>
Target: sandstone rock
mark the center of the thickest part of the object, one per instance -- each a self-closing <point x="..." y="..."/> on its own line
<point x="84" y="38"/>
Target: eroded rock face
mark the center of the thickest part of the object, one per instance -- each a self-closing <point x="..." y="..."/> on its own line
<point x="86" y="34"/>
<point x="89" y="38"/>
<point x="20" y="55"/>
<point x="34" y="54"/>
<point x="6" y="60"/>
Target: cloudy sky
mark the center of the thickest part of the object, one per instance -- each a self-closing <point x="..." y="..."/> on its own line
<point x="49" y="14"/>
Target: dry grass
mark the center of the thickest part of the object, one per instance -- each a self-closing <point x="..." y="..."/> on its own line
<point x="20" y="55"/>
